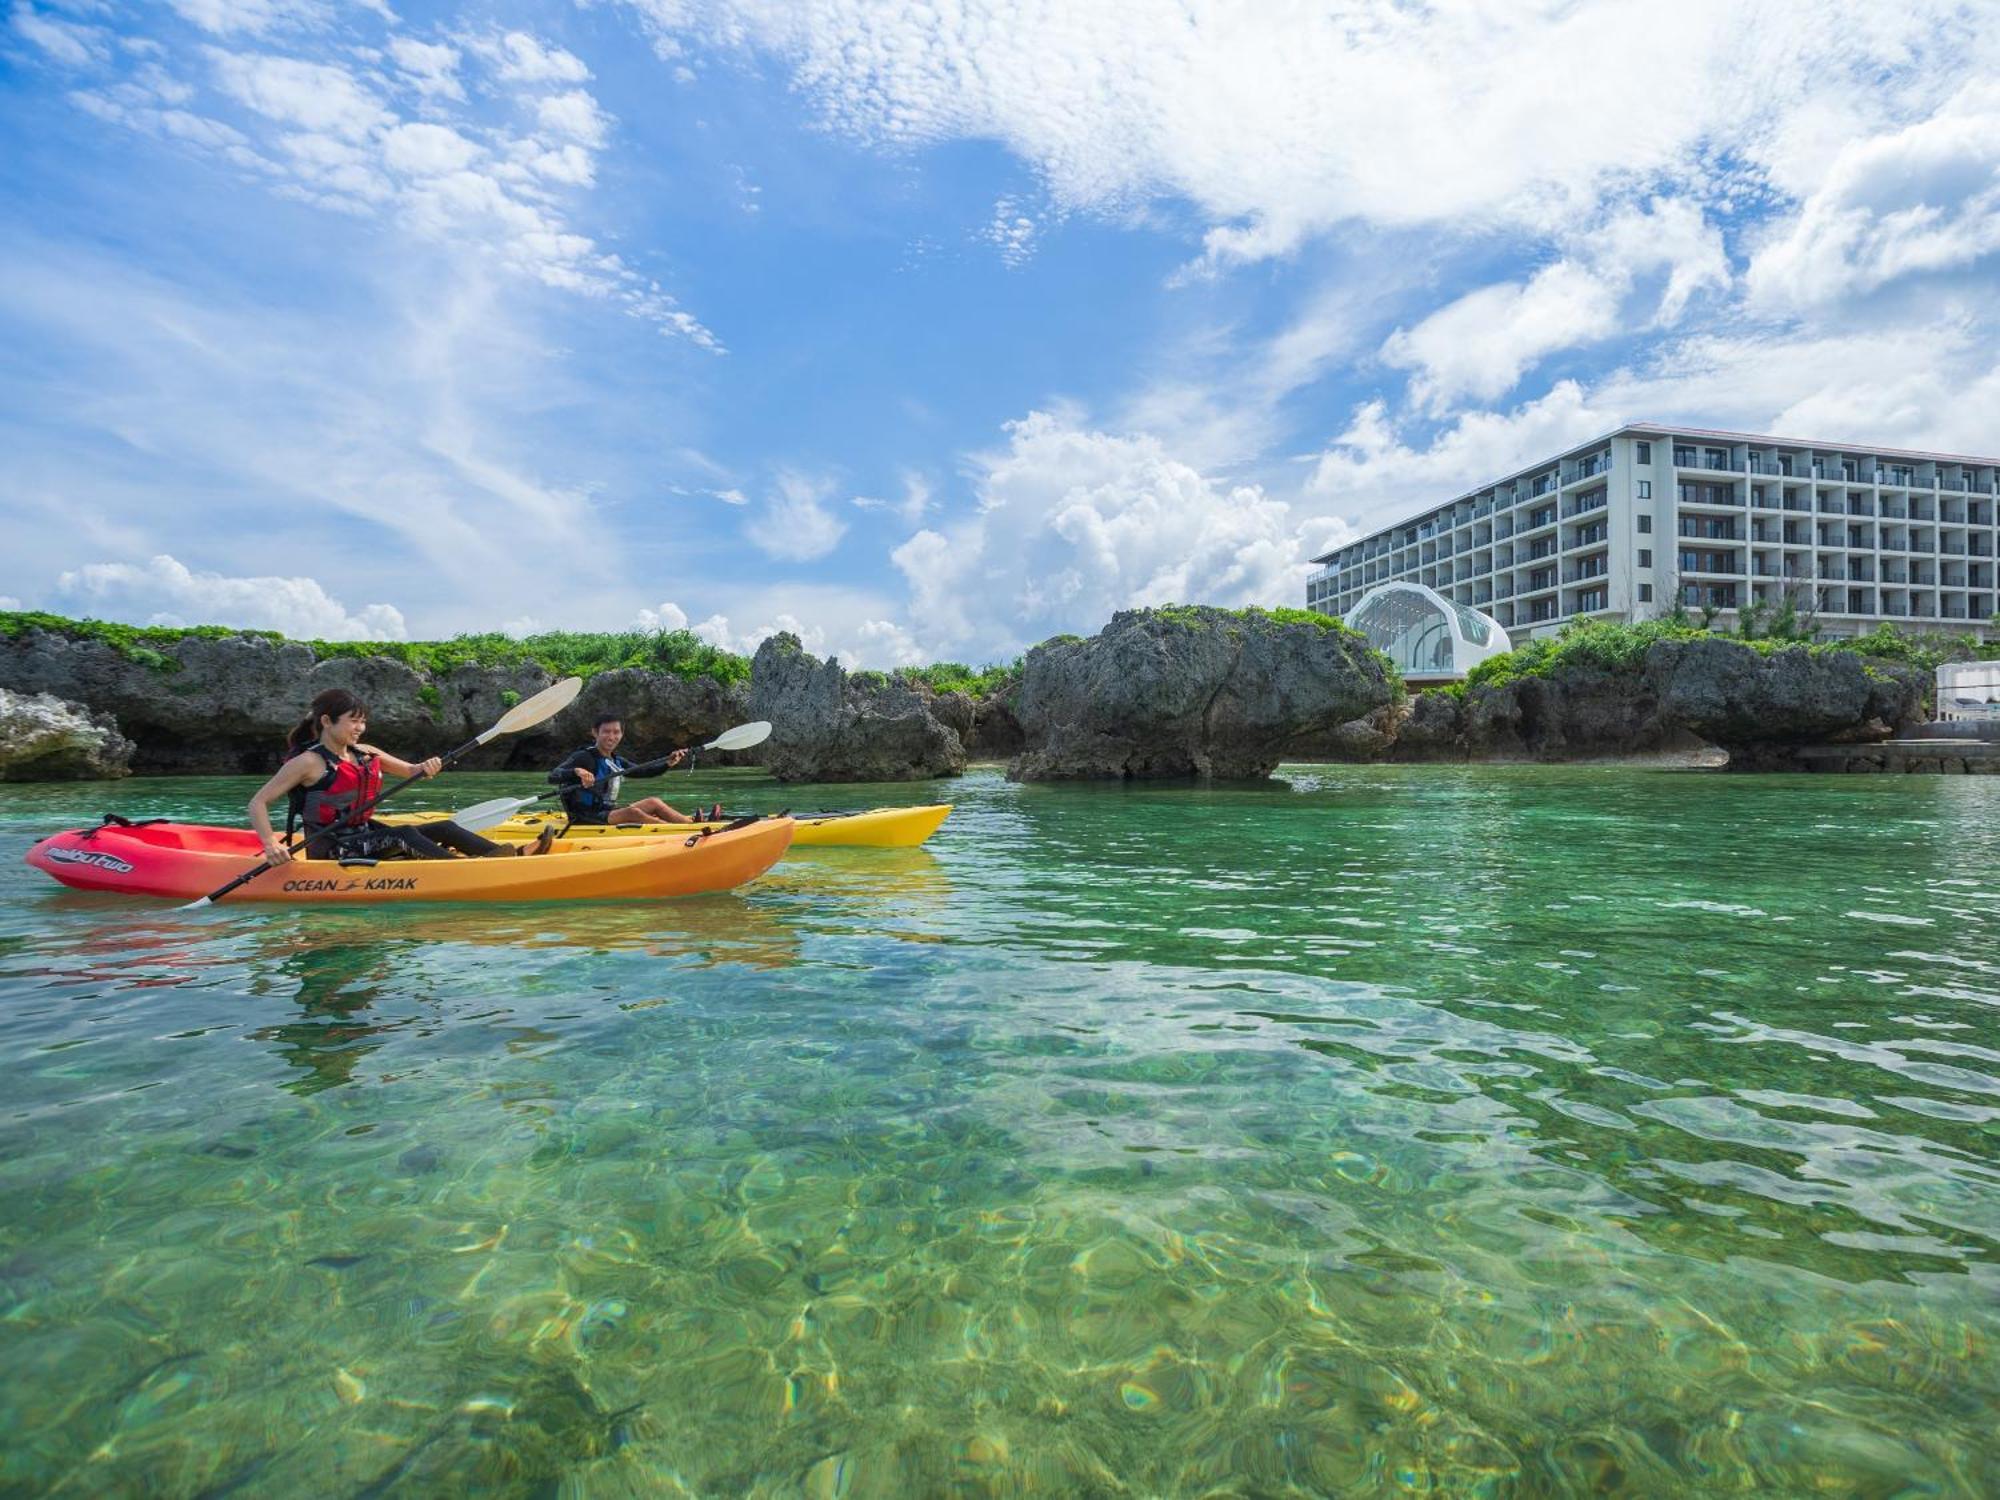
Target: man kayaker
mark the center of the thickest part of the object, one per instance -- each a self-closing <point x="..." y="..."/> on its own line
<point x="589" y="780"/>
<point x="328" y="773"/>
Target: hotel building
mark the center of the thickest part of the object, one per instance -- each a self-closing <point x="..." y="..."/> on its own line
<point x="1619" y="527"/>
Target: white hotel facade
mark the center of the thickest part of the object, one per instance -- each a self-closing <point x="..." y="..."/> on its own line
<point x="1618" y="527"/>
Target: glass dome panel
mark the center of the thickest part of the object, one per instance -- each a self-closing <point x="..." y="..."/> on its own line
<point x="1411" y="630"/>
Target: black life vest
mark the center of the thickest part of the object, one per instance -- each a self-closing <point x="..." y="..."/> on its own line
<point x="593" y="804"/>
<point x="347" y="784"/>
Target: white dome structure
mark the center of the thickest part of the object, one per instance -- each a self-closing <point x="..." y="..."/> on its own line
<point x="1429" y="638"/>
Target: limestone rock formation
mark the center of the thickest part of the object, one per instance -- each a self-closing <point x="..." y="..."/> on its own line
<point x="1190" y="692"/>
<point x="986" y="725"/>
<point x="1762" y="707"/>
<point x="225" y="704"/>
<point x="996" y="729"/>
<point x="1682" y="695"/>
<point x="42" y="738"/>
<point x="1578" y="713"/>
<point x="828" y="726"/>
<point x="1371" y="737"/>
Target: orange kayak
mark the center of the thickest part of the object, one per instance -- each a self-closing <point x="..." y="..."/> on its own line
<point x="185" y="860"/>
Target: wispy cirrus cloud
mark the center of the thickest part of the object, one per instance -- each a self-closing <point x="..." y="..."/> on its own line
<point x="794" y="522"/>
<point x="1277" y="123"/>
<point x="362" y="118"/>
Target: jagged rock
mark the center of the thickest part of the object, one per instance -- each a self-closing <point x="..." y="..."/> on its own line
<point x="1370" y="737"/>
<point x="225" y="704"/>
<point x="1578" y="713"/>
<point x="42" y="738"/>
<point x="955" y="711"/>
<point x="828" y="726"/>
<point x="996" y="730"/>
<point x="1431" y="730"/>
<point x="985" y="726"/>
<point x="1681" y="695"/>
<point x="1166" y="693"/>
<point x="1761" y="706"/>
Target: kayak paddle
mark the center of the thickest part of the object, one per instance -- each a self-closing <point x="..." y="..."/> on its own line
<point x="486" y="815"/>
<point x="529" y="712"/>
<point x="742" y="737"/>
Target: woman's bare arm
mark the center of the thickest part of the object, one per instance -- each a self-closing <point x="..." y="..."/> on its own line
<point x="395" y="765"/>
<point x="293" y="774"/>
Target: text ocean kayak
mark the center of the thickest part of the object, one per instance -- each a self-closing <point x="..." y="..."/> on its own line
<point x="877" y="828"/>
<point x="185" y="860"/>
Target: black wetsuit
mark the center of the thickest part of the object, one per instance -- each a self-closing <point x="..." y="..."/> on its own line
<point x="595" y="803"/>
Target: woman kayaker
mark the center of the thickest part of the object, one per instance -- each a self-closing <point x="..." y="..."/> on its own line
<point x="328" y="773"/>
<point x="589" y="778"/>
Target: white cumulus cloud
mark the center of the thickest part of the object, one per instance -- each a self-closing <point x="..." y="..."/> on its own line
<point x="1480" y="345"/>
<point x="668" y="616"/>
<point x="431" y="66"/>
<point x="1073" y="524"/>
<point x="421" y="150"/>
<point x="574" y="114"/>
<point x="520" y="58"/>
<point x="1925" y="197"/>
<point x="165" y="591"/>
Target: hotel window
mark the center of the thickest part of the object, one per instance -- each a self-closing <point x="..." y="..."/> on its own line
<point x="1645" y="489"/>
<point x="1645" y="558"/>
<point x="1645" y="453"/>
<point x="1645" y="524"/>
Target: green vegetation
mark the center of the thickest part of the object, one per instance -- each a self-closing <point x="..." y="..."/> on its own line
<point x="956" y="677"/>
<point x="563" y="653"/>
<point x="1613" y="646"/>
<point x="1202" y="614"/>
<point x="139" y="643"/>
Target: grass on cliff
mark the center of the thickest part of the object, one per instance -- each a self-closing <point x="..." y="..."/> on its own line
<point x="564" y="653"/>
<point x="1202" y="614"/>
<point x="1614" y="646"/>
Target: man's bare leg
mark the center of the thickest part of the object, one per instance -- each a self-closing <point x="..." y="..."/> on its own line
<point x="648" y="810"/>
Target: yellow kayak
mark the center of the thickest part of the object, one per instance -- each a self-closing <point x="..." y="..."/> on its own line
<point x="877" y="828"/>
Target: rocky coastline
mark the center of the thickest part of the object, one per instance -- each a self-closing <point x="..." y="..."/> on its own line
<point x="1173" y="693"/>
<point x="1762" y="707"/>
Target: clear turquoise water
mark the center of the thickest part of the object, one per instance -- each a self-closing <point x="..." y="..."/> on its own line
<point x="1497" y="1131"/>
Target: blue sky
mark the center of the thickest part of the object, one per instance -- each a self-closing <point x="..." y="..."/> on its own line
<point x="928" y="331"/>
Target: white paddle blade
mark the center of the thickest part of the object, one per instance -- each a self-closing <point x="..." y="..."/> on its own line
<point x="742" y="737"/>
<point x="485" y="815"/>
<point x="529" y="712"/>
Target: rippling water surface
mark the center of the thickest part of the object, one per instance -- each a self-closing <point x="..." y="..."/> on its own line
<point x="1492" y="1131"/>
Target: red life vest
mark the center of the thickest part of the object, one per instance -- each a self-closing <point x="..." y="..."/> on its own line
<point x="346" y="785"/>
